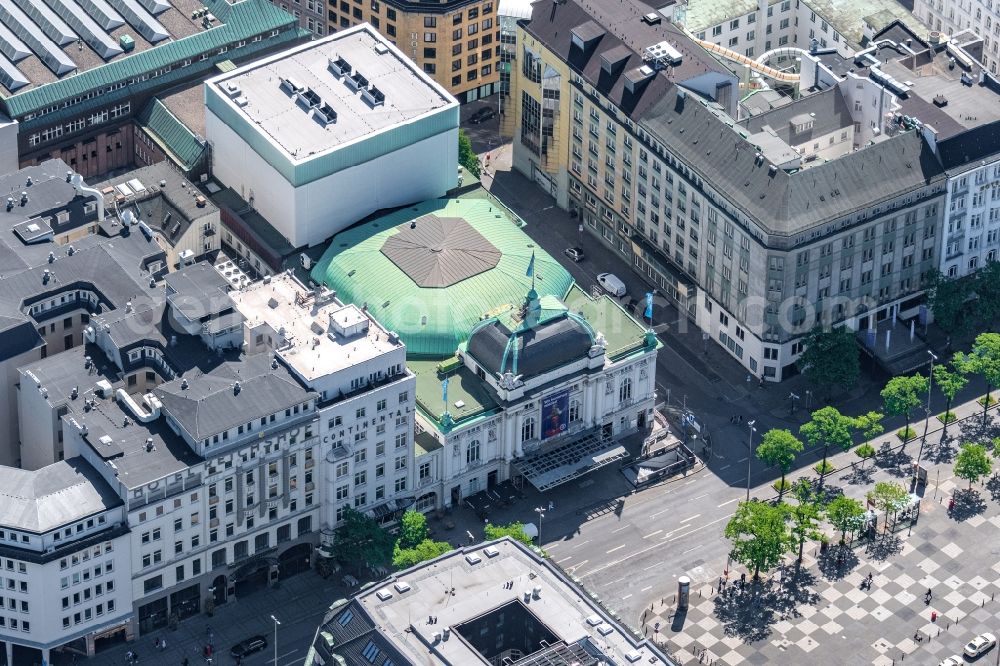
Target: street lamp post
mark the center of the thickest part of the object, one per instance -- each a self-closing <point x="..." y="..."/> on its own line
<point x="927" y="418"/>
<point x="541" y="516"/>
<point x="808" y="400"/>
<point x="276" y="623"/>
<point x="750" y="456"/>
<point x="793" y="397"/>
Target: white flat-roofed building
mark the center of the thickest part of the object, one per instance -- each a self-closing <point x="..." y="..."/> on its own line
<point x="367" y="394"/>
<point x="321" y="135"/>
<point x="496" y="602"/>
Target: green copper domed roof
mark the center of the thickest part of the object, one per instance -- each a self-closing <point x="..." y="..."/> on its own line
<point x="432" y="271"/>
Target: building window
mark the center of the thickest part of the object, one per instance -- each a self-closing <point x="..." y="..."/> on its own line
<point x="625" y="390"/>
<point x="472" y="452"/>
<point x="528" y="428"/>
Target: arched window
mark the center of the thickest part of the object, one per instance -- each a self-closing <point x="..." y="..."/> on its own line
<point x="528" y="428"/>
<point x="625" y="390"/>
<point x="472" y="452"/>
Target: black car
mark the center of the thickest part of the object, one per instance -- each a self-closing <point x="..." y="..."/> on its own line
<point x="482" y="115"/>
<point x="248" y="646"/>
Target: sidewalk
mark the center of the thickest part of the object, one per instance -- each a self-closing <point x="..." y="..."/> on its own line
<point x="299" y="603"/>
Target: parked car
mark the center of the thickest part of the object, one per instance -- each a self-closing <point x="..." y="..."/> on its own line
<point x="574" y="253"/>
<point x="980" y="644"/>
<point x="248" y="646"/>
<point x="611" y="284"/>
<point x="953" y="660"/>
<point x="482" y="115"/>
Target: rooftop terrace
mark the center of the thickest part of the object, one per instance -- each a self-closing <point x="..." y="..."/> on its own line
<point x="321" y="337"/>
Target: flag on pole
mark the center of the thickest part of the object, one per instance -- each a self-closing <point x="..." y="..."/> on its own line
<point x="531" y="267"/>
<point x="444" y="391"/>
<point x="649" y="305"/>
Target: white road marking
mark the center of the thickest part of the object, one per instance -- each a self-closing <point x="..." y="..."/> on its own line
<point x="620" y="529"/>
<point x="735" y="499"/>
<point x="581" y="543"/>
<point x="651" y="534"/>
<point x="626" y="597"/>
<point x="698" y="497"/>
<point x="742" y="459"/>
<point x="616" y="548"/>
<point x="691" y="518"/>
<point x="725" y="467"/>
<point x="564" y="559"/>
<point x="658" y="564"/>
<point x="648" y="587"/>
<point x="690" y="549"/>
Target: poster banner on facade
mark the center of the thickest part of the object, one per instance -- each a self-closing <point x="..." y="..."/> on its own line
<point x="555" y="414"/>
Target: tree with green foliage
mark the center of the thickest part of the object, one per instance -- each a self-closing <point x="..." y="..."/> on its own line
<point x="888" y="497"/>
<point x="869" y="425"/>
<point x="828" y="427"/>
<point x="359" y="539"/>
<point x="865" y="451"/>
<point x="901" y="396"/>
<point x="987" y="289"/>
<point x="759" y="535"/>
<point x="426" y="549"/>
<point x="948" y="299"/>
<point x="513" y="530"/>
<point x="779" y="448"/>
<point x="412" y="529"/>
<point x="972" y="463"/>
<point x="466" y="155"/>
<point x="805" y="515"/>
<point x="830" y="358"/>
<point x="983" y="360"/>
<point x="949" y="381"/>
<point x="845" y="514"/>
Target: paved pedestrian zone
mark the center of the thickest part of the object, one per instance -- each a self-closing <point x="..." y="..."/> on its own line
<point x="822" y="614"/>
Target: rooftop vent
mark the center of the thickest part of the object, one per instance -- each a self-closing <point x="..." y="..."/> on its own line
<point x="356" y="81"/>
<point x="290" y="85"/>
<point x="940" y="100"/>
<point x="326" y="114"/>
<point x="233" y="89"/>
<point x="309" y="98"/>
<point x="339" y="66"/>
<point x="184" y="384"/>
<point x="662" y="54"/>
<point x="652" y="18"/>
<point x="373" y="96"/>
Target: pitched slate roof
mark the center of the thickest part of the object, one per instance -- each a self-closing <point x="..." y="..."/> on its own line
<point x="787" y="203"/>
<point x="41" y="500"/>
<point x="210" y="404"/>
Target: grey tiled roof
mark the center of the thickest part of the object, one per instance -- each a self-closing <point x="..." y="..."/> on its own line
<point x="44" y="499"/>
<point x="787" y="203"/>
<point x="209" y="405"/>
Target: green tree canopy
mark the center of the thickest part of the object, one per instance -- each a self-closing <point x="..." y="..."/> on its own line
<point x="983" y="360"/>
<point x="987" y="288"/>
<point x="845" y="514"/>
<point x="949" y="301"/>
<point x="466" y="155"/>
<point x="779" y="448"/>
<point x="972" y="463"/>
<point x="830" y="359"/>
<point x="359" y="539"/>
<point x="902" y="394"/>
<point x="421" y="552"/>
<point x="513" y="530"/>
<point x="869" y="425"/>
<point x="949" y="381"/>
<point x="759" y="535"/>
<point x="888" y="497"/>
<point x="412" y="529"/>
<point x="828" y="427"/>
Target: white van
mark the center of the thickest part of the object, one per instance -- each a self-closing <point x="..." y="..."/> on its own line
<point x="611" y="284"/>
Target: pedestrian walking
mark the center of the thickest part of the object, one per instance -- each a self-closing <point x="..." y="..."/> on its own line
<point x="163" y="644"/>
<point x="156" y="642"/>
<point x="185" y="662"/>
<point x="741" y="419"/>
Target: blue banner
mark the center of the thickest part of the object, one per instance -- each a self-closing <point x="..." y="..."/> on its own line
<point x="649" y="305"/>
<point x="531" y="266"/>
<point x="444" y="392"/>
<point x="555" y="414"/>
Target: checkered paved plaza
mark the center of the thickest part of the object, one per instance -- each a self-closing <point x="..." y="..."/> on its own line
<point x="824" y="616"/>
